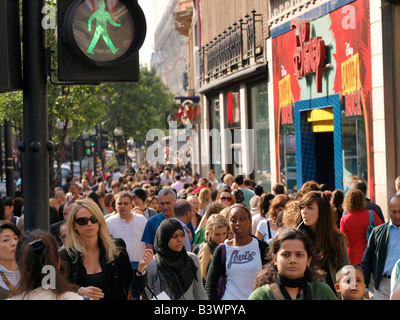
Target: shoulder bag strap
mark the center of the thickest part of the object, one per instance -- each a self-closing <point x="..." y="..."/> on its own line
<point x="371" y="216"/>
<point x="223" y="259"/>
<point x="8" y="283"/>
<point x="275" y="291"/>
<point x="269" y="230"/>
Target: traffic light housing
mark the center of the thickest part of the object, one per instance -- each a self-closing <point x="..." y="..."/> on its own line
<point x="10" y="46"/>
<point x="87" y="145"/>
<point x="78" y="150"/>
<point x="67" y="151"/>
<point x="99" y="40"/>
<point x="103" y="138"/>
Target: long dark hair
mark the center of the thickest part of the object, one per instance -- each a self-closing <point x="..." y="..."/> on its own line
<point x="269" y="272"/>
<point x="265" y="202"/>
<point x="37" y="249"/>
<point x="327" y="237"/>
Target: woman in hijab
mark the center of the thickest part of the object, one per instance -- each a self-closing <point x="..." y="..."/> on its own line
<point x="174" y="271"/>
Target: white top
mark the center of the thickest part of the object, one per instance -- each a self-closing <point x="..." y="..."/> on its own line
<point x="178" y="186"/>
<point x="263" y="229"/>
<point x="256" y="219"/>
<point x="12" y="276"/>
<point x="47" y="294"/>
<point x="130" y="232"/>
<point x="242" y="264"/>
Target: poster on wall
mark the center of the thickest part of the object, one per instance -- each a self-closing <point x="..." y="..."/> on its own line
<point x="322" y="54"/>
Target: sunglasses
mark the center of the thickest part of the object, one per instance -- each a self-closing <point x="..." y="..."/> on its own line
<point x="226" y="198"/>
<point x="83" y="221"/>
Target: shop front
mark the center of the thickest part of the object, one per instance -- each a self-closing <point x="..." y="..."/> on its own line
<point x="323" y="96"/>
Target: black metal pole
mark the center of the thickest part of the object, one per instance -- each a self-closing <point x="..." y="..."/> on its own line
<point x="9" y="163"/>
<point x="36" y="154"/>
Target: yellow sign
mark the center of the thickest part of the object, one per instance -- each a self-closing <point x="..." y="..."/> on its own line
<point x="285" y="91"/>
<point x="351" y="75"/>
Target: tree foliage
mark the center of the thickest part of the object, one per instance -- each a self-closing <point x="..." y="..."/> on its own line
<point x="139" y="106"/>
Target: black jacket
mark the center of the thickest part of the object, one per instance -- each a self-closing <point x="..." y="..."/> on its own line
<point x="118" y="273"/>
<point x="374" y="257"/>
<point x="216" y="269"/>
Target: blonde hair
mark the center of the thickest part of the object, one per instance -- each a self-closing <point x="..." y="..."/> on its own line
<point x="205" y="195"/>
<point x="73" y="242"/>
<point x="205" y="255"/>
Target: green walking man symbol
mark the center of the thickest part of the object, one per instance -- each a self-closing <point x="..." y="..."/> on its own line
<point x="102" y="17"/>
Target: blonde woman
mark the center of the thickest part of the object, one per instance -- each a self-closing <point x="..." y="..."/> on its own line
<point x="204" y="199"/>
<point x="196" y="217"/>
<point x="216" y="233"/>
<point x="96" y="262"/>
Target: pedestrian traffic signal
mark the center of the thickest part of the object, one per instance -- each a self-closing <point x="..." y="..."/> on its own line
<point x="88" y="145"/>
<point x="10" y="46"/>
<point x="99" y="40"/>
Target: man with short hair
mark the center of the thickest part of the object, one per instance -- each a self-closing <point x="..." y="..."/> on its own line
<point x="212" y="179"/>
<point x="247" y="193"/>
<point x="128" y="226"/>
<point x="139" y="197"/>
<point x="382" y="252"/>
<point x="55" y="227"/>
<point x="74" y="189"/>
<point x="278" y="188"/>
<point x="178" y="184"/>
<point x="183" y="213"/>
<point x="166" y="199"/>
<point x="360" y="185"/>
<point x="8" y="210"/>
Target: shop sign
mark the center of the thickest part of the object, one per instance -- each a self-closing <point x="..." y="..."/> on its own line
<point x="187" y="111"/>
<point x="309" y="55"/>
<point x="285" y="100"/>
<point x="351" y="86"/>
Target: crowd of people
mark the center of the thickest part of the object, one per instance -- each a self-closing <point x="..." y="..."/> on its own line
<point x="170" y="234"/>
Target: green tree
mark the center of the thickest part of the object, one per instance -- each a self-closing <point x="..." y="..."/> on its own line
<point x="139" y="106"/>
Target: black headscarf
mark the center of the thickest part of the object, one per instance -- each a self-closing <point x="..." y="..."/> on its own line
<point x="177" y="268"/>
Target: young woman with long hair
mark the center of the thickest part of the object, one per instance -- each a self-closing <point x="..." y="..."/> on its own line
<point x="98" y="263"/>
<point x="36" y="250"/>
<point x="237" y="259"/>
<point x="330" y="245"/>
<point x="216" y="232"/>
<point x="288" y="275"/>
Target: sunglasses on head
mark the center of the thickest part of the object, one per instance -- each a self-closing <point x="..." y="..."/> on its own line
<point x="84" y="221"/>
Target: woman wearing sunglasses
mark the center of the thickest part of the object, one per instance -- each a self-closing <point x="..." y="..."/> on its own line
<point x="98" y="263"/>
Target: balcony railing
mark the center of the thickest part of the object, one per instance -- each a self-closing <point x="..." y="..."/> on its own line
<point x="236" y="48"/>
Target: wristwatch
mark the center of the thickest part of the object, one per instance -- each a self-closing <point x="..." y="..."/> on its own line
<point x="141" y="273"/>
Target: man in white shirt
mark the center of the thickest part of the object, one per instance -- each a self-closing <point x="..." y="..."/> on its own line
<point x="166" y="178"/>
<point x="212" y="179"/>
<point x="178" y="184"/>
<point x="128" y="226"/>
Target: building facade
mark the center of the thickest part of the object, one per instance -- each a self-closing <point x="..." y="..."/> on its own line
<point x="298" y="90"/>
<point x="233" y="88"/>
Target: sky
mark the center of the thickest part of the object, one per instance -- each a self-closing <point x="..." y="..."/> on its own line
<point x="153" y="11"/>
